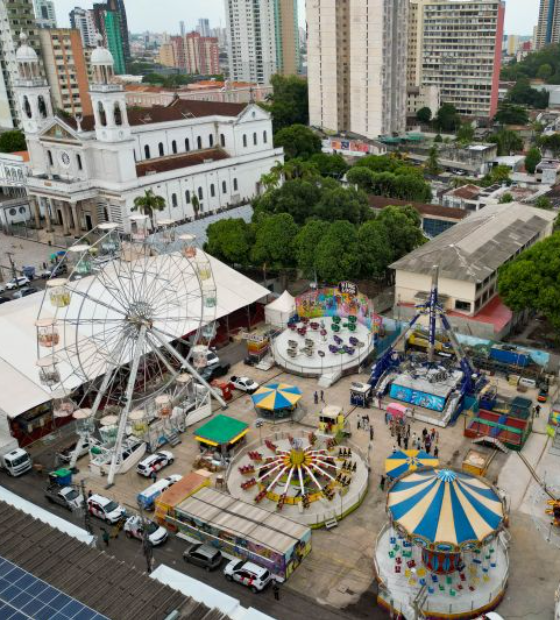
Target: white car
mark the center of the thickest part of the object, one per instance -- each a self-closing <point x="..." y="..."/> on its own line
<point x="134" y="528"/>
<point x="154" y="463"/>
<point x="245" y="384"/>
<point x="17" y="282"/>
<point x="251" y="575"/>
<point x="211" y="358"/>
<point x="491" y="615"/>
<point x="105" y="508"/>
<point x="65" y="455"/>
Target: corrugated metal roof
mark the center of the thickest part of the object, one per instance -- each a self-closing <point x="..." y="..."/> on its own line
<point x="476" y="247"/>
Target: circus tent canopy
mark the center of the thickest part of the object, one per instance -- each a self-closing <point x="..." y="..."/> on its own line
<point x="403" y="461"/>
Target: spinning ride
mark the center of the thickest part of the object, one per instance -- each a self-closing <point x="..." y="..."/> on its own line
<point x="111" y="329"/>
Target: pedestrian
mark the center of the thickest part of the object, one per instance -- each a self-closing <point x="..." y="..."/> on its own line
<point x="105" y="536"/>
<point x="424" y="432"/>
<point x="153" y="476"/>
<point x="367" y="418"/>
<point x="387" y="417"/>
<point x="437" y="437"/>
<point x="394" y="448"/>
<point x="399" y="440"/>
<point x="322" y="396"/>
<point x="428" y="445"/>
<point x="418" y="444"/>
<point x="436" y="452"/>
<point x="90" y="493"/>
<point x="428" y="448"/>
<point x="276" y="590"/>
<point x="359" y="424"/>
<point x="433" y="433"/>
<point x="382" y="483"/>
<point x="316" y="398"/>
<point x="406" y="443"/>
<point x="408" y="430"/>
<point x="371" y="433"/>
<point x="537" y="410"/>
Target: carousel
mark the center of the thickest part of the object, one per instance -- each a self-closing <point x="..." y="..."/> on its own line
<point x="310" y="480"/>
<point x="444" y="552"/>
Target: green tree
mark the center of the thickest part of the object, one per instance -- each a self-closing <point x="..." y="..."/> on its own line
<point x="432" y="163"/>
<point x="363" y="178"/>
<point x="525" y="95"/>
<point x="274" y="242"/>
<point x="551" y="143"/>
<point x="149" y="204"/>
<point x="545" y="72"/>
<point x="307" y="242"/>
<point x="12" y="141"/>
<point x="499" y="174"/>
<point x="424" y="115"/>
<point x="289" y="104"/>
<point x="530" y="282"/>
<point x="542" y="202"/>
<point x="375" y="248"/>
<point x="508" y="142"/>
<point x="196" y="206"/>
<point x="506" y="198"/>
<point x="298" y="198"/>
<point x="230" y="240"/>
<point x="438" y="138"/>
<point x="447" y="118"/>
<point x="338" y="253"/>
<point x="402" y="230"/>
<point x="343" y="204"/>
<point x="509" y="114"/>
<point x="334" y="166"/>
<point x="466" y="133"/>
<point x="298" y="141"/>
<point x="532" y="160"/>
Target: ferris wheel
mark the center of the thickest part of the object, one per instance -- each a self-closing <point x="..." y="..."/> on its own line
<point x="119" y="320"/>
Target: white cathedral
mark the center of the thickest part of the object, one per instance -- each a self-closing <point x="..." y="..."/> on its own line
<point x="84" y="171"/>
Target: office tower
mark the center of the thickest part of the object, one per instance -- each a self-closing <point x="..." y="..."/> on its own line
<point x="203" y="28"/>
<point x="262" y="39"/>
<point x="66" y="70"/>
<point x="182" y="29"/>
<point x="15" y="17"/>
<point x="459" y="52"/>
<point x="357" y="65"/>
<point x="202" y="54"/>
<point x="45" y="13"/>
<point x="118" y="7"/>
<point x="82" y="20"/>
<point x="108" y="23"/>
<point x="548" y="26"/>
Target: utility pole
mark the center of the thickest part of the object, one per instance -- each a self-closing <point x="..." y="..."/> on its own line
<point x="12" y="264"/>
<point x="147" y="548"/>
<point x="87" y="516"/>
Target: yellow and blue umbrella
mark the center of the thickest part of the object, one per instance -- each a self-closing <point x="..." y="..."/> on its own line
<point x="445" y="508"/>
<point x="403" y="461"/>
<point x="276" y="396"/>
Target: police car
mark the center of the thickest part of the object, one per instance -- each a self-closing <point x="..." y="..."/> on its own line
<point x="105" y="508"/>
<point x="248" y="574"/>
<point x="134" y="528"/>
<point x="154" y="463"/>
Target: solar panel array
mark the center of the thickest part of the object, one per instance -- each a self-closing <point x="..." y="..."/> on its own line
<point x="23" y="596"/>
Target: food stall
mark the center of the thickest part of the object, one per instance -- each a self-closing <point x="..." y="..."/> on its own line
<point x="220" y="435"/>
<point x="360" y="394"/>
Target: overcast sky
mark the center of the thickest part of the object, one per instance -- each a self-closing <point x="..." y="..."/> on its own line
<point x="165" y="15"/>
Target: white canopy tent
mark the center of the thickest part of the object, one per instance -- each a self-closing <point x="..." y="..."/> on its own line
<point x="279" y="312"/>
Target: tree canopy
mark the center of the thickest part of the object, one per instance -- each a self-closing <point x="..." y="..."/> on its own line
<point x="447" y="118"/>
<point x="12" y="141"/>
<point x="230" y="240"/>
<point x="274" y="242"/>
<point x="424" y="115"/>
<point x="532" y="160"/>
<point x="289" y="102"/>
<point x="402" y="184"/>
<point x="509" y="114"/>
<point x="508" y="142"/>
<point x="298" y="141"/>
<point x="532" y="282"/>
<point x="334" y="166"/>
<point x="338" y="253"/>
<point x="524" y="94"/>
<point x="531" y="66"/>
<point x="307" y="242"/>
<point x="551" y="143"/>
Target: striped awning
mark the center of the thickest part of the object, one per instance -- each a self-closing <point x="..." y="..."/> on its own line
<point x="445" y="509"/>
<point x="403" y="461"/>
<point x="276" y="396"/>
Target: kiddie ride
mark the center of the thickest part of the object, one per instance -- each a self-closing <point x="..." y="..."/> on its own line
<point x="469" y="381"/>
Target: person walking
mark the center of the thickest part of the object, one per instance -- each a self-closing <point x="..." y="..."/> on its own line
<point x="322" y="396"/>
<point x="153" y="476"/>
<point x="408" y="430"/>
<point x="399" y="440"/>
<point x="436" y="452"/>
<point x="276" y="590"/>
<point x="371" y="433"/>
<point x="537" y="410"/>
<point x="359" y="424"/>
<point x="424" y="432"/>
<point x="382" y="483"/>
<point x="406" y="443"/>
<point x="387" y="417"/>
<point x="316" y="398"/>
<point x="105" y="536"/>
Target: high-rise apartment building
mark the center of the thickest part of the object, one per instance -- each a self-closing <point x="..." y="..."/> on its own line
<point x="15" y="17"/>
<point x="182" y="30"/>
<point x="107" y="21"/>
<point x="66" y="70"/>
<point x="202" y="54"/>
<point x="180" y="57"/>
<point x="548" y="27"/>
<point x="458" y="50"/>
<point x="262" y="39"/>
<point x="45" y="13"/>
<point x="82" y="20"/>
<point x="357" y="65"/>
<point x="203" y="28"/>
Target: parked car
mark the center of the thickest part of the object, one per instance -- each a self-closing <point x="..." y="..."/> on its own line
<point x="251" y="575"/>
<point x="245" y="384"/>
<point x="55" y="271"/>
<point x="25" y="292"/>
<point x="215" y="372"/>
<point x="65" y="455"/>
<point x="154" y="463"/>
<point x="205" y="556"/>
<point x="134" y="528"/>
<point x="105" y="509"/>
<point x="68" y="497"/>
<point x="17" y="283"/>
<point x="211" y="358"/>
<point x="4" y="300"/>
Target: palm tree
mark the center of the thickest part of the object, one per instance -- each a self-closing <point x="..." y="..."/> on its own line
<point x="196" y="206"/>
<point x="148" y="204"/>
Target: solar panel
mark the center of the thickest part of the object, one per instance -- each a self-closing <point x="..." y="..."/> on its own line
<point x="25" y="597"/>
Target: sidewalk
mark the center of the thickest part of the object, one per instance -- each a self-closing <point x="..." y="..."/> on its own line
<point x="24" y="252"/>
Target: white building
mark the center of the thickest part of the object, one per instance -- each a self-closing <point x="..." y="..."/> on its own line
<point x="86" y="171"/>
<point x="14" y="205"/>
<point x="82" y="20"/>
<point x="357" y="59"/>
<point x="45" y="13"/>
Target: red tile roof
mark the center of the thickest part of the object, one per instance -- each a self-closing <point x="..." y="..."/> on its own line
<point x="176" y="162"/>
<point x="181" y="109"/>
<point x="380" y="202"/>
<point x="467" y="192"/>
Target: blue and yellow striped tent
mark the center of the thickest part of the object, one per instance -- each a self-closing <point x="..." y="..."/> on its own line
<point x="403" y="461"/>
<point x="445" y="509"/>
<point x="276" y="396"/>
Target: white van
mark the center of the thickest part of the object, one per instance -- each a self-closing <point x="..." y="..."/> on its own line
<point x="147" y="498"/>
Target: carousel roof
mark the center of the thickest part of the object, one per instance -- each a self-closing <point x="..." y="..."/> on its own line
<point x="403" y="461"/>
<point x="276" y="396"/>
<point x="445" y="507"/>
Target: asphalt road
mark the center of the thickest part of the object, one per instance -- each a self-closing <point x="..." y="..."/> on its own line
<point x="291" y="606"/>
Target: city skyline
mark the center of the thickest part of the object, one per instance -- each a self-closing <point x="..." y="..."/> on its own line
<point x="521" y="15"/>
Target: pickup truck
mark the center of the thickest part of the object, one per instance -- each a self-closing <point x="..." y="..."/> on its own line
<point x="67" y="497"/>
<point x="245" y="384"/>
